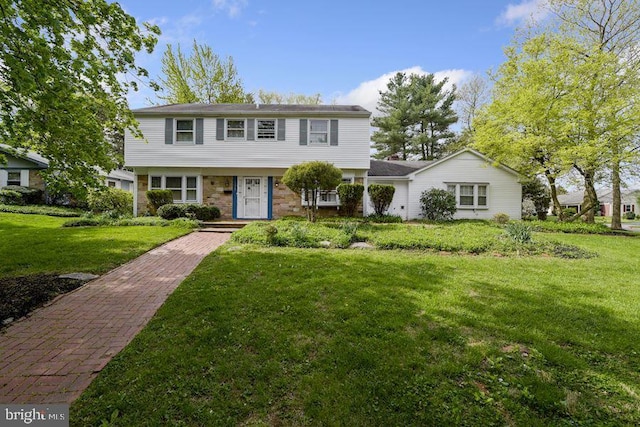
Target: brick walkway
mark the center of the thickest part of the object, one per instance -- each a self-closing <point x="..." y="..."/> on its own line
<point x="53" y="355"/>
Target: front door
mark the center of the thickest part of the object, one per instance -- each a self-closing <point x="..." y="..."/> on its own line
<point x="252" y="196"/>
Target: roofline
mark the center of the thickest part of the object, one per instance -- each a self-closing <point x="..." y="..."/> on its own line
<point x="141" y="112"/>
<point x="477" y="153"/>
<point x="24" y="155"/>
<point x="390" y="178"/>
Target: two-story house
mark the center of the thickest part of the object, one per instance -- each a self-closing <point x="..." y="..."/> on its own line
<point x="233" y="156"/>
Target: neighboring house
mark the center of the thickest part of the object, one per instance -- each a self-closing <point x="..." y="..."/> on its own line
<point x="21" y="168"/>
<point x="233" y="156"/>
<point x="482" y="189"/>
<point x="628" y="201"/>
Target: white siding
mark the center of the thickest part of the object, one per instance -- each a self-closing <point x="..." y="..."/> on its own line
<point x="503" y="190"/>
<point x="352" y="151"/>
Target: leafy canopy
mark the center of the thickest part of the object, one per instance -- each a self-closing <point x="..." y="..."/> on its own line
<point x="308" y="179"/>
<point x="66" y="70"/>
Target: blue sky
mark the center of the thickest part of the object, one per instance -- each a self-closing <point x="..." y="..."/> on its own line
<point x="345" y="50"/>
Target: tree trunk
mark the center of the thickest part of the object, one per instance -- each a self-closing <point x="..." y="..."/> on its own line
<point x="616" y="221"/>
<point x="590" y="197"/>
<point x="554" y="195"/>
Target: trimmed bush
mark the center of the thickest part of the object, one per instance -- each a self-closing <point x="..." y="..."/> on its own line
<point x="157" y="198"/>
<point x="115" y="201"/>
<point x="30" y="195"/>
<point x="192" y="211"/>
<point x="83" y="222"/>
<point x="381" y="196"/>
<point x="501" y="218"/>
<point x="630" y="215"/>
<point x="438" y="204"/>
<point x="11" y="197"/>
<point x="41" y="210"/>
<point x="350" y="195"/>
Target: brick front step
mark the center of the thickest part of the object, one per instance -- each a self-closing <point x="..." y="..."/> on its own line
<point x="236" y="225"/>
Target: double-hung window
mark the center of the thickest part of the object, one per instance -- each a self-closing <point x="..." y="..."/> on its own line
<point x="328" y="197"/>
<point x="236" y="128"/>
<point x="266" y="130"/>
<point x="185" y="131"/>
<point x="318" y="131"/>
<point x="184" y="189"/>
<point x="13" y="178"/>
<point x="469" y="195"/>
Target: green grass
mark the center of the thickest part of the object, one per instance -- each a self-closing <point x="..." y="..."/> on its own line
<point x="41" y="210"/>
<point x="281" y="336"/>
<point x="35" y="244"/>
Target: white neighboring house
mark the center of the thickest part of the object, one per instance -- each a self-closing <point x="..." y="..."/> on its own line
<point x="119" y="178"/>
<point x="481" y="187"/>
<point x="628" y="201"/>
<point x="233" y="156"/>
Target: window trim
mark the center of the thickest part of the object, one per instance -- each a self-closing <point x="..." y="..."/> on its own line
<point x="19" y="180"/>
<point x="333" y="193"/>
<point x="183" y="186"/>
<point x="476" y="195"/>
<point x="176" y="131"/>
<point x="275" y="130"/>
<point x="327" y="132"/>
<point x="235" y="138"/>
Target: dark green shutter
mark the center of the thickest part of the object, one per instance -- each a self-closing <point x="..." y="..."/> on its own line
<point x="199" y="131"/>
<point x="333" y="134"/>
<point x="281" y="131"/>
<point x="303" y="131"/>
<point x="168" y="131"/>
<point x="251" y="129"/>
<point x="219" y="129"/>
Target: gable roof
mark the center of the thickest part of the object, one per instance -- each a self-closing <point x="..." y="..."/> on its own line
<point x="29" y="156"/>
<point x="405" y="168"/>
<point x="604" y="196"/>
<point x="255" y="109"/>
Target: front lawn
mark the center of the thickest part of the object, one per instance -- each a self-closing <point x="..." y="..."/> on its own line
<point x="283" y="336"/>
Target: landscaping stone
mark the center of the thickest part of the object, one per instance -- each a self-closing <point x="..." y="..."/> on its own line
<point x="325" y="244"/>
<point x="361" y="245"/>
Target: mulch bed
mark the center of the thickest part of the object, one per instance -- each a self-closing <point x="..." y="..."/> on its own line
<point x="21" y="295"/>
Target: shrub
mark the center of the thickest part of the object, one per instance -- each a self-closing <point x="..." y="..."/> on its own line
<point x="501" y="218"/>
<point x="438" y="204"/>
<point x="538" y="193"/>
<point x="306" y="179"/>
<point x="381" y="196"/>
<point x="569" y="212"/>
<point x="630" y="215"/>
<point x="114" y="201"/>
<point x="350" y="195"/>
<point x="11" y="197"/>
<point x="193" y="211"/>
<point x="157" y="198"/>
<point x="41" y="210"/>
<point x="519" y="232"/>
<point x="83" y="222"/>
<point x="387" y="219"/>
<point x="30" y="195"/>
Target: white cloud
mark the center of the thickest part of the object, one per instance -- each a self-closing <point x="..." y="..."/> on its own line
<point x="368" y="93"/>
<point x="514" y="14"/>
<point x="232" y="7"/>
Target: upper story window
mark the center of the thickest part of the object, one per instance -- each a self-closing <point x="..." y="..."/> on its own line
<point x="13" y="178"/>
<point x="185" y="131"/>
<point x="469" y="196"/>
<point x="318" y="131"/>
<point x="266" y="130"/>
<point x="235" y="129"/>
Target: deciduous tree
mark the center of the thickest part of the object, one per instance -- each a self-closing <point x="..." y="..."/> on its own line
<point x="267" y="97"/>
<point x="308" y="179"/>
<point x="66" y="68"/>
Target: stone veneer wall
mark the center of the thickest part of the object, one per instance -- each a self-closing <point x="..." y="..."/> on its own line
<point x="218" y="191"/>
<point x="35" y="179"/>
<point x="143" y="186"/>
<point x="285" y="201"/>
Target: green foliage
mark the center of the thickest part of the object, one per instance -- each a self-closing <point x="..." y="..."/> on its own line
<point x="30" y="195"/>
<point x="42" y="210"/>
<point x="519" y="232"/>
<point x="296" y="234"/>
<point x="630" y="215"/>
<point x="381" y="196"/>
<point x="569" y="212"/>
<point x="157" y="198"/>
<point x="533" y="189"/>
<point x="350" y="196"/>
<point x="84" y="222"/>
<point x="577" y="227"/>
<point x="202" y="77"/>
<point x="62" y="94"/>
<point x="193" y="211"/>
<point x="416" y="114"/>
<point x="384" y="219"/>
<point x="114" y="200"/>
<point x="309" y="178"/>
<point x="11" y="197"/>
<point x="438" y="204"/>
<point x="501" y="218"/>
